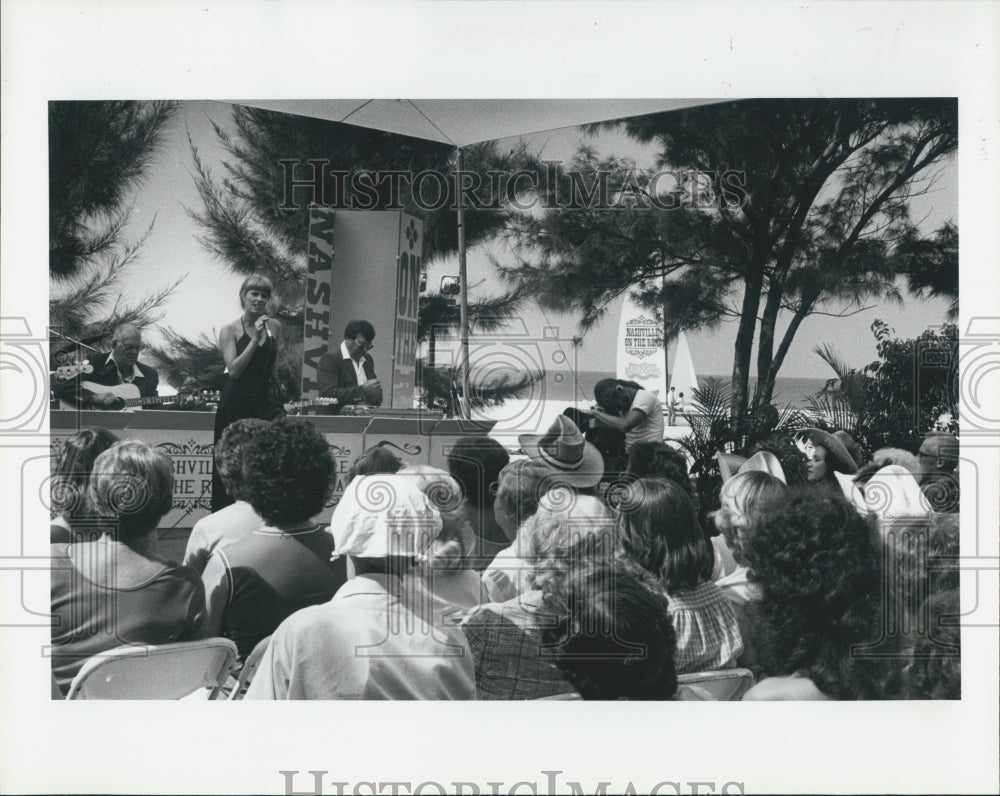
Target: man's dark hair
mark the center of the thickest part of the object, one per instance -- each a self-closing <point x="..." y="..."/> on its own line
<point x="354" y="328"/>
<point x="476" y="462"/>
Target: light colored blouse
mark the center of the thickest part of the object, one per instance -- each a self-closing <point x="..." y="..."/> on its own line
<point x="708" y="632"/>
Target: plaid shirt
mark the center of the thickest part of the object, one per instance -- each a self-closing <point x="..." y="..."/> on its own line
<point x="505" y="643"/>
<point x="708" y="632"/>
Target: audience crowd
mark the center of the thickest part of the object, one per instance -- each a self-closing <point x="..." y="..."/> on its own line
<point x="532" y="575"/>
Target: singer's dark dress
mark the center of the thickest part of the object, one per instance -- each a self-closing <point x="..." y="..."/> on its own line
<point x="246" y="396"/>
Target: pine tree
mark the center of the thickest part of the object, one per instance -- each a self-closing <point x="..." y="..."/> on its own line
<point x="99" y="153"/>
<point x="805" y="204"/>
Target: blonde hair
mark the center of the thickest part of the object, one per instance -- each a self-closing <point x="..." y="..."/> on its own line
<point x="256" y="282"/>
<point x="568" y="532"/>
<point x="743" y="500"/>
<point x="131" y="488"/>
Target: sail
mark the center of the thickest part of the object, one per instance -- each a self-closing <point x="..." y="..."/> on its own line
<point x="682" y="375"/>
<point x="640" y="348"/>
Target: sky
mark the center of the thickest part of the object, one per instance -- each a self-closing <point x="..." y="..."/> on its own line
<point x="206" y="298"/>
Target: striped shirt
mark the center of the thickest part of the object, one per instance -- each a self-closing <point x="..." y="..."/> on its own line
<point x="708" y="632"/>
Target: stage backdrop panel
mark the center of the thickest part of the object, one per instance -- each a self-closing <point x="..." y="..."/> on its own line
<point x="375" y="276"/>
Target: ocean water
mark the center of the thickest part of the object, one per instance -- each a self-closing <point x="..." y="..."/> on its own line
<point x="535" y="411"/>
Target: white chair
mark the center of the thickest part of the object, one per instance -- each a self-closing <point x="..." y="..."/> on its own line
<point x="162" y="671"/>
<point x="250" y="666"/>
<point x="726" y="685"/>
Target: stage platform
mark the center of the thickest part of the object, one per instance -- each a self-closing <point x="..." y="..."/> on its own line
<point x="415" y="437"/>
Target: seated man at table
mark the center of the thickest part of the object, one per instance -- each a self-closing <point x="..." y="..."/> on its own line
<point x="348" y="372"/>
<point x="130" y="381"/>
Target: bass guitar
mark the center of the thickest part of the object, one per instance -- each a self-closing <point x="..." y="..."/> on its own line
<point x="303" y="407"/>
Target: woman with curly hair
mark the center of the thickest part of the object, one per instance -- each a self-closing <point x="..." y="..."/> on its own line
<point x="235" y="521"/>
<point x="934" y="670"/>
<point x="818" y="567"/>
<point x="252" y="584"/>
<point x="117" y="589"/>
<point x="658" y="530"/>
<point x="70" y="478"/>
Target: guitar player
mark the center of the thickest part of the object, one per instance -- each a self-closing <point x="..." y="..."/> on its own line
<point x="118" y="367"/>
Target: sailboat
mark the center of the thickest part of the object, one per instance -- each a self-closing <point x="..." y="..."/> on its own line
<point x="683" y="379"/>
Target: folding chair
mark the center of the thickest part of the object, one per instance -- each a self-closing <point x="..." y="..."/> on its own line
<point x="726" y="685"/>
<point x="250" y="666"/>
<point x="161" y="671"/>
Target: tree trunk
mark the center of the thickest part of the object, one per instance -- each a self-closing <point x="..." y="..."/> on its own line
<point x="765" y="344"/>
<point x="744" y="348"/>
<point x="766" y="387"/>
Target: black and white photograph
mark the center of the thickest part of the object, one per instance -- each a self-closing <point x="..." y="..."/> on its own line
<point x="415" y="378"/>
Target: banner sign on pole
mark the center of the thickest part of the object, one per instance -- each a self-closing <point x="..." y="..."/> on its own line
<point x="404" y="372"/>
<point x="316" y="317"/>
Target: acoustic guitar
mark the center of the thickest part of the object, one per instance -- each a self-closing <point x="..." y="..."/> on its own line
<point x="128" y="393"/>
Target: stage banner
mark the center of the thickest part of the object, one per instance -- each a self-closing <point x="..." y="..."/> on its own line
<point x="317" y="335"/>
<point x="404" y="372"/>
<point x="641" y="356"/>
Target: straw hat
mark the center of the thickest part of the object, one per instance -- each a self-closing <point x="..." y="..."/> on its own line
<point x="834" y="447"/>
<point x="730" y="464"/>
<point x="852" y="447"/>
<point x="384" y="515"/>
<point x="563" y="450"/>
<point x="766" y="462"/>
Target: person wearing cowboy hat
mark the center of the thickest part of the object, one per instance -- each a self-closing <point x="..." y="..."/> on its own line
<point x="562" y="450"/>
<point x="826" y="454"/>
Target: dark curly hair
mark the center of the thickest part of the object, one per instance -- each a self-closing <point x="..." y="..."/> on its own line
<point x="934" y="670"/>
<point x="923" y="553"/>
<point x="615" y="639"/>
<point x="229" y="452"/>
<point x="287" y="472"/>
<point x="658" y="529"/>
<point x="818" y="565"/>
